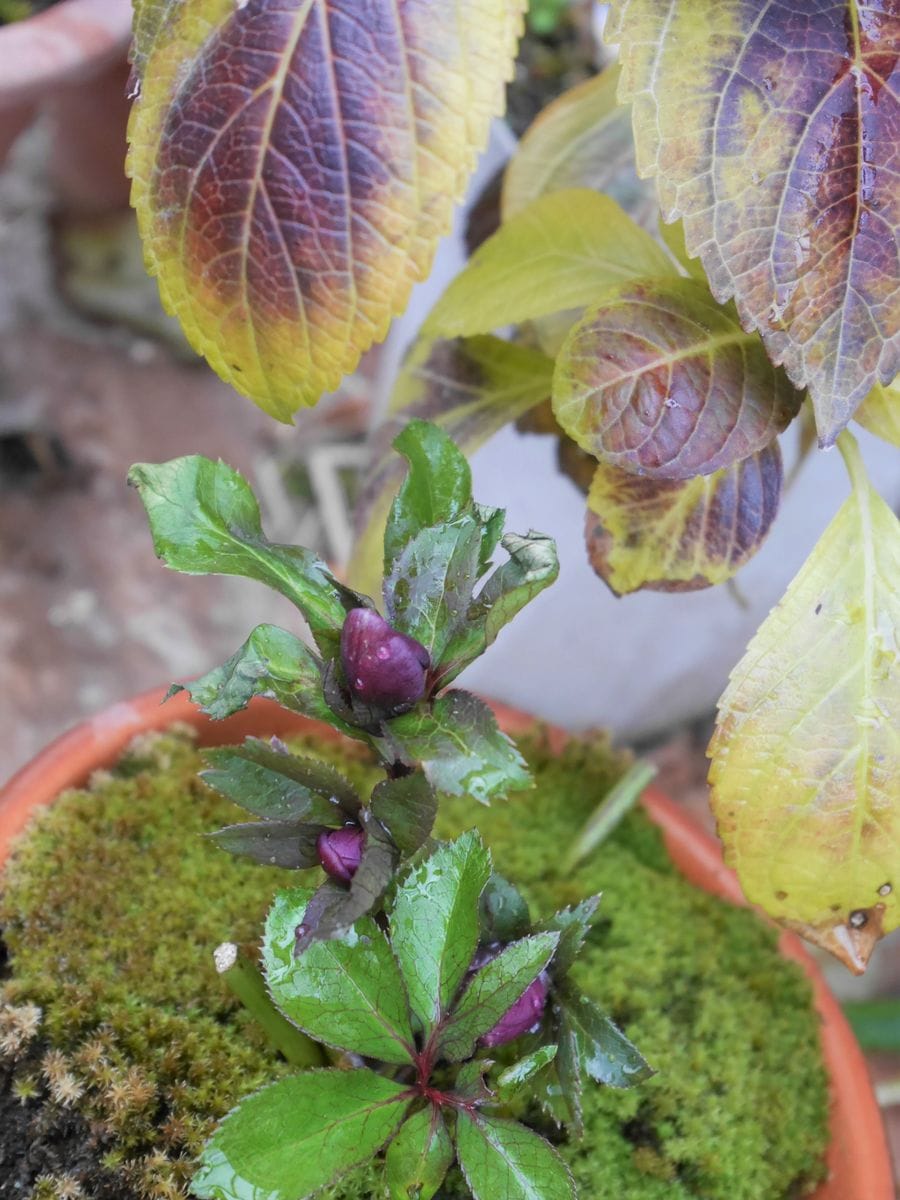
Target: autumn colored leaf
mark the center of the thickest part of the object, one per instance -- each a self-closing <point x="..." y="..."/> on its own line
<point x="679" y="536"/>
<point x="805" y="752"/>
<point x="658" y="379"/>
<point x="771" y="127"/>
<point x="880" y="412"/>
<point x="294" y="166"/>
<point x="582" y="139"/>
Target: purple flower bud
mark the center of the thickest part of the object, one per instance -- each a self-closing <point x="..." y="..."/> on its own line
<point x="340" y="851"/>
<point x="384" y="668"/>
<point x="523" y="1017"/>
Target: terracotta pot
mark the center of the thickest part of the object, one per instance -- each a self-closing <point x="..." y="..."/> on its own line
<point x="858" y="1159"/>
<point x="69" y="63"/>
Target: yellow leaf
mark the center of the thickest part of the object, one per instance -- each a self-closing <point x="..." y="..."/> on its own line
<point x="880" y="412"/>
<point x="294" y="166"/>
<point x="805" y="768"/>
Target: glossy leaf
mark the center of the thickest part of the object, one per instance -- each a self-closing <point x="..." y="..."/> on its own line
<point x="406" y="807"/>
<point x="437" y="489"/>
<point x="804" y="756"/>
<point x="582" y="139"/>
<point x="559" y="253"/>
<point x="434" y="925"/>
<point x="470" y="388"/>
<point x="297" y="1135"/>
<point x="600" y="1050"/>
<point x="668" y="535"/>
<point x="205" y="521"/>
<point x="346" y="992"/>
<point x="516" y="1078"/>
<point x="276" y="785"/>
<point x="573" y="925"/>
<point x="657" y="379"/>
<point x="460" y="747"/>
<point x="287" y="844"/>
<point x="503" y="1158"/>
<point x="493" y="989"/>
<point x="880" y="412"/>
<point x="771" y="127"/>
<point x="419" y="1156"/>
<point x="503" y="911"/>
<point x="294" y="167"/>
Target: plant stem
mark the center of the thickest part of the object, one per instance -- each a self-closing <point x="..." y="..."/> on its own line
<point x="613" y="807"/>
<point x="245" y="980"/>
<point x="853" y="460"/>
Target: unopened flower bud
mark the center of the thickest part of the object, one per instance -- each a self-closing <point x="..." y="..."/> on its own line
<point x="383" y="668"/>
<point x="340" y="851"/>
<point x="523" y="1017"/>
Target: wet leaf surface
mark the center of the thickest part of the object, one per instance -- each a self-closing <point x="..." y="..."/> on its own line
<point x="503" y="1158"/>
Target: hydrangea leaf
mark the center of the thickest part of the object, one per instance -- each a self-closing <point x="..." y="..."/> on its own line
<point x="468" y="387"/>
<point x="658" y="379"/>
<point x="680" y="535"/>
<point x="461" y="748"/>
<point x="294" y="166"/>
<point x="582" y="139"/>
<point x="493" y="990"/>
<point x="805" y="752"/>
<point x="269" y="781"/>
<point x="880" y="412"/>
<point x="503" y="1158"/>
<point x="346" y="992"/>
<point x="434" y="925"/>
<point x="296" y="1136"/>
<point x="771" y="127"/>
<point x="205" y="520"/>
<point x="560" y="253"/>
<point x="419" y="1156"/>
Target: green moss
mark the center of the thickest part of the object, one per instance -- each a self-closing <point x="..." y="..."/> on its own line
<point x="114" y="903"/>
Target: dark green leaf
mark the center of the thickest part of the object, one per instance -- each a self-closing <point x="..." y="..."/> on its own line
<point x="205" y="521"/>
<point x="603" y="1052"/>
<point x="406" y="807"/>
<point x="470" y="1083"/>
<point x="876" y="1023"/>
<point x="430" y="586"/>
<point x="503" y="911"/>
<point x="346" y="992"/>
<point x="511" y="1081"/>
<point x="272" y="662"/>
<point x="274" y="784"/>
<point x="559" y="1103"/>
<point x="437" y="489"/>
<point x="289" y="844"/>
<point x="434" y="925"/>
<point x="503" y="1158"/>
<point x="297" y="1135"/>
<point x="460" y="748"/>
<point x="493" y="990"/>
<point x="533" y="565"/>
<point x="419" y="1156"/>
<point x="573" y="926"/>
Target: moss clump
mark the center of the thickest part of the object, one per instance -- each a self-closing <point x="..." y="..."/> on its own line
<point x="114" y="902"/>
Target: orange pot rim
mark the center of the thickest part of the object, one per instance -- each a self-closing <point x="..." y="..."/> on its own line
<point x="858" y="1158"/>
<point x="66" y="43"/>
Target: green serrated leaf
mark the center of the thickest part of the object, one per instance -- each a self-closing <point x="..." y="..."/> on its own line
<point x="287" y="844"/>
<point x="511" y="1081"/>
<point x="503" y="1158"/>
<point x="298" y="1135"/>
<point x="419" y="1156"/>
<point x="460" y="747"/>
<point x="470" y="1082"/>
<point x="434" y="925"/>
<point x="406" y="807"/>
<point x="573" y="926"/>
<point x="278" y="786"/>
<point x="346" y="992"/>
<point x="493" y="990"/>
<point x="602" y="1050"/>
<point x="205" y="521"/>
<point x="437" y="488"/>
<point x="503" y="911"/>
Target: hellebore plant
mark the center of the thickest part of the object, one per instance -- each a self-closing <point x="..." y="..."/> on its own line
<point x="413" y="962"/>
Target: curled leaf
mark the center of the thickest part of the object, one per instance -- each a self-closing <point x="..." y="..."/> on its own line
<point x="658" y="379"/>
<point x="680" y="535"/>
<point x="294" y="166"/>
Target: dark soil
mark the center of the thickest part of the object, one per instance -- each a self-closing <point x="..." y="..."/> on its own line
<point x="549" y="64"/>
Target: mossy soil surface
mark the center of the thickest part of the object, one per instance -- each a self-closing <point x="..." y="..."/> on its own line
<point x="119" y="1047"/>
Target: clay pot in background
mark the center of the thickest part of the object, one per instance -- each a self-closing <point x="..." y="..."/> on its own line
<point x="69" y="64"/>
